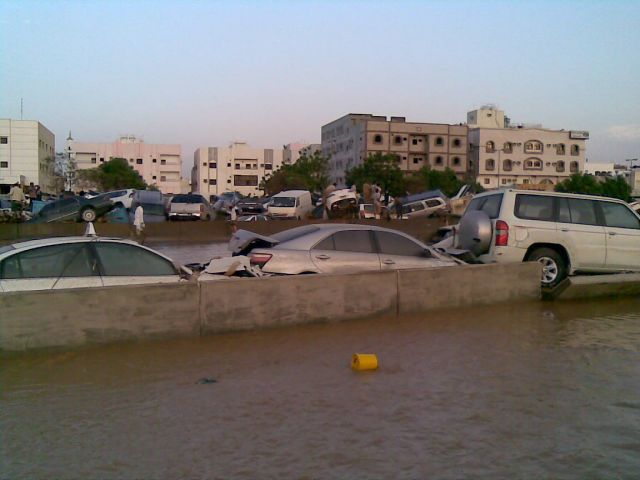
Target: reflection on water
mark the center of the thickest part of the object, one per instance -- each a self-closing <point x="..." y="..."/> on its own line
<point x="530" y="391"/>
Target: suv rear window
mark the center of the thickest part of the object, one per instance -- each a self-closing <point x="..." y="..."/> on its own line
<point x="534" y="207"/>
<point x="187" y="199"/>
<point x="489" y="205"/>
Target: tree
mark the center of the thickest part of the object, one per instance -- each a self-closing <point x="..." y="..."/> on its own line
<point x="617" y="187"/>
<point x="310" y="172"/>
<point x="381" y="169"/>
<point x="580" y="183"/>
<point x="113" y="175"/>
<point x="614" y="187"/>
<point x="428" y="179"/>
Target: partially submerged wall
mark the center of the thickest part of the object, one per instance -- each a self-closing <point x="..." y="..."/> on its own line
<point x="71" y="318"/>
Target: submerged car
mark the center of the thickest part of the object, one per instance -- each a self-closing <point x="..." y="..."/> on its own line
<point x="74" y="208"/>
<point x="80" y="262"/>
<point x="253" y="218"/>
<point x="337" y="248"/>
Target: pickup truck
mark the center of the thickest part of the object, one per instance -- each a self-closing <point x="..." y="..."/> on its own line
<point x="190" y="207"/>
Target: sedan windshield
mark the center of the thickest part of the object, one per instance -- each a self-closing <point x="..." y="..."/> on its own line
<point x="283" y="202"/>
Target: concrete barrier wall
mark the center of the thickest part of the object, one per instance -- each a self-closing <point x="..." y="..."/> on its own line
<point x="76" y="317"/>
<point x="241" y="304"/>
<point x="71" y="318"/>
<point x="422" y="290"/>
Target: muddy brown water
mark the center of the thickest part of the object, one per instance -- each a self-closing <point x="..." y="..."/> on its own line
<point x="536" y="390"/>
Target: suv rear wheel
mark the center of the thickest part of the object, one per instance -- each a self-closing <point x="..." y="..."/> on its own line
<point x="554" y="268"/>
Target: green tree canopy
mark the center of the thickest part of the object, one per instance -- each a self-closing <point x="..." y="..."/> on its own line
<point x="584" y="183"/>
<point x="429" y="179"/>
<point x="310" y="172"/>
<point x="114" y="174"/>
<point x="381" y="169"/>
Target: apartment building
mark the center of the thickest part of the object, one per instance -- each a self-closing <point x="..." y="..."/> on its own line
<point x="293" y="151"/>
<point x="27" y="154"/>
<point x="236" y="168"/>
<point x="503" y="154"/>
<point x="349" y="140"/>
<point x="158" y="164"/>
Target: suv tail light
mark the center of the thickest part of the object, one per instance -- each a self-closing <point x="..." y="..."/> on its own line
<point x="259" y="259"/>
<point x="502" y="233"/>
<point x="201" y="208"/>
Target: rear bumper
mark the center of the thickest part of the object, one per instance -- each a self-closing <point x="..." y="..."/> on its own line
<point x="184" y="216"/>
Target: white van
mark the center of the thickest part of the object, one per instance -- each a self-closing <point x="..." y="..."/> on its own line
<point x="294" y="204"/>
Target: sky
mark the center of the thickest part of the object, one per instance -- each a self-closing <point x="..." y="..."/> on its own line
<point x="205" y="73"/>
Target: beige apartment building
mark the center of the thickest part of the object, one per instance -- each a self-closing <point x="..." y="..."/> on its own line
<point x="158" y="164"/>
<point x="349" y="140"/>
<point x="293" y="151"/>
<point x="236" y="168"/>
<point x="503" y="154"/>
<point x="27" y="154"/>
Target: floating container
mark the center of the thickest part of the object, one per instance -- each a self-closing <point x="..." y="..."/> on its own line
<point x="364" y="361"/>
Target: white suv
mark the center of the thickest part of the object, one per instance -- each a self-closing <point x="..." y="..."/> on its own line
<point x="566" y="233"/>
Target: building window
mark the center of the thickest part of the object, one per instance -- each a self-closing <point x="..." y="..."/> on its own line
<point x="560" y="166"/>
<point x="213" y="181"/>
<point x="139" y="161"/>
<point x="377" y="138"/>
<point x="204" y="181"/>
<point x="417" y="160"/>
<point x="245" y="180"/>
<point x="163" y="161"/>
<point x="204" y="164"/>
<point x="575" y="150"/>
<point x="237" y="166"/>
<point x="4" y="164"/>
<point x="414" y="141"/>
<point x="533" y="164"/>
<point x="213" y="165"/>
<point x="153" y="178"/>
<point x="4" y="140"/>
<point x="486" y="181"/>
<point x="397" y="140"/>
<point x="93" y="160"/>
<point x="439" y="160"/>
<point x="507" y="165"/>
<point x="456" y="161"/>
<point x="131" y="160"/>
<point x="507" y="147"/>
<point x="439" y="141"/>
<point x="456" y="142"/>
<point x="163" y="178"/>
<point x="102" y="159"/>
<point x="229" y="165"/>
<point x="490" y="164"/>
<point x="154" y="161"/>
<point x="268" y="166"/>
<point x="228" y="180"/>
<point x="560" y="149"/>
<point x="490" y="147"/>
<point x="533" y="146"/>
<point x="573" y="167"/>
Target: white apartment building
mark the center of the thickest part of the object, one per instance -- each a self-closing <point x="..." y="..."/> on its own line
<point x="236" y="168"/>
<point x="158" y="164"/>
<point x="349" y="140"/>
<point x="502" y="154"/>
<point x="27" y="154"/>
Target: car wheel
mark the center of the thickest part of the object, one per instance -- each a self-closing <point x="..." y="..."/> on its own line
<point x="554" y="268"/>
<point x="89" y="215"/>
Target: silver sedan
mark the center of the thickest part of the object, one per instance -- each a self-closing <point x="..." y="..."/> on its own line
<point x="337" y="248"/>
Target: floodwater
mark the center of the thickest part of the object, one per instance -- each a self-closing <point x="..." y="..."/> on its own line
<point x="536" y="390"/>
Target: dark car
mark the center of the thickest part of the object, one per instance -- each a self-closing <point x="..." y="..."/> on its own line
<point x="74" y="208"/>
<point x="252" y="206"/>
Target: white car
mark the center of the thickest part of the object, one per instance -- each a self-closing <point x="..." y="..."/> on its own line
<point x="79" y="262"/>
<point x="121" y="198"/>
<point x="566" y="233"/>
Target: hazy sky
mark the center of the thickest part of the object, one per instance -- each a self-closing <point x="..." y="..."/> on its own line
<point x="203" y="73"/>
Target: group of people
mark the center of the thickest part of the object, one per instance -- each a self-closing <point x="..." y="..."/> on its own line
<point x="18" y="197"/>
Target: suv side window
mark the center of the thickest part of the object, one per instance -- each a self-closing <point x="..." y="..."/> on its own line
<point x="433" y="203"/>
<point x="353" y="241"/>
<point x="413" y="207"/>
<point x="582" y="211"/>
<point x="393" y="244"/>
<point x="617" y="215"/>
<point x="534" y="207"/>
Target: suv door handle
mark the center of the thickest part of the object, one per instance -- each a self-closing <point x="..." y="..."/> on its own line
<point x="323" y="257"/>
<point x="612" y="233"/>
<point x="564" y="230"/>
<point x="388" y="262"/>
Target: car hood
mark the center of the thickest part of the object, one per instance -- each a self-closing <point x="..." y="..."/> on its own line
<point x="243" y="241"/>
